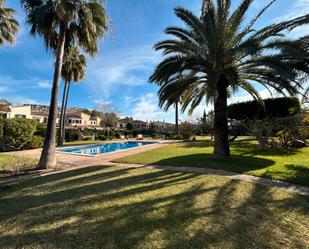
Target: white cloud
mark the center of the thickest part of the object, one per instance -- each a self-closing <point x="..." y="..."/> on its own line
<point x="4" y="89"/>
<point x="296" y="9"/>
<point x="45" y="84"/>
<point x="10" y="83"/>
<point x="17" y="99"/>
<point x="122" y="68"/>
<point x="147" y="109"/>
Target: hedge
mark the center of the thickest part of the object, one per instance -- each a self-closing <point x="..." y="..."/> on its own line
<point x="273" y="108"/>
<point x="18" y="133"/>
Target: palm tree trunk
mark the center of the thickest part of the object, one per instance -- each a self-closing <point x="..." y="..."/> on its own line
<point x="221" y="146"/>
<point x="176" y="119"/>
<point x="60" y="140"/>
<point x="65" y="110"/>
<point x="48" y="155"/>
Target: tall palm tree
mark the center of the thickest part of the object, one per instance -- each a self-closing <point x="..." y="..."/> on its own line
<point x="79" y="23"/>
<point x="73" y="69"/>
<point x="219" y="53"/>
<point x="176" y="117"/>
<point x="8" y="24"/>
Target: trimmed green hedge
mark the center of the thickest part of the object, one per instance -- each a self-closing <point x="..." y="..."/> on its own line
<point x="274" y="108"/>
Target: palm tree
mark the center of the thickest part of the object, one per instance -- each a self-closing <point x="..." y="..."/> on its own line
<point x="73" y="69"/>
<point x="219" y="53"/>
<point x="176" y="117"/>
<point x="8" y="24"/>
<point x="78" y="23"/>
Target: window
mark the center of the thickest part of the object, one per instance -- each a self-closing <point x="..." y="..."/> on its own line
<point x="20" y="116"/>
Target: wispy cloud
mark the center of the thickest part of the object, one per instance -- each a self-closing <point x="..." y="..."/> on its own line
<point x="122" y="68"/>
<point x="17" y="99"/>
<point x="146" y="108"/>
<point x="4" y="89"/>
<point x="296" y="9"/>
<point x="45" y="84"/>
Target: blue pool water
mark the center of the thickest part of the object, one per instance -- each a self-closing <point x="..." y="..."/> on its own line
<point x="100" y="149"/>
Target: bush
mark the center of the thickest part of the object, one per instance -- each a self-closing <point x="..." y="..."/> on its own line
<point x="176" y="137"/>
<point x="41" y="130"/>
<point x="186" y="130"/>
<point x="18" y="132"/>
<point x="73" y="135"/>
<point x="102" y="137"/>
<point x="274" y="108"/>
<point x="35" y="143"/>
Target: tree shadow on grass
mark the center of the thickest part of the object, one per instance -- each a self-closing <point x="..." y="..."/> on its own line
<point x="205" y="160"/>
<point x="247" y="220"/>
<point x="130" y="208"/>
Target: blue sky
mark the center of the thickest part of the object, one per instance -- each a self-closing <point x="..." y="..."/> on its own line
<point x="119" y="73"/>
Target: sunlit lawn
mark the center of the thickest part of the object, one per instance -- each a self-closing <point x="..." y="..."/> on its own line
<point x="9" y="164"/>
<point x="114" y="207"/>
<point x="291" y="165"/>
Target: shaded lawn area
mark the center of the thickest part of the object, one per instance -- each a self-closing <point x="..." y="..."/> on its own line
<point x="290" y="165"/>
<point x="14" y="165"/>
<point x="114" y="207"/>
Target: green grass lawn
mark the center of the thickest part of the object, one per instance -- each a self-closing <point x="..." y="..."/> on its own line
<point x="12" y="164"/>
<point x="115" y="207"/>
<point x="291" y="165"/>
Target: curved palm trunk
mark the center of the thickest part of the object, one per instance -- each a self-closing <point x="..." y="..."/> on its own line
<point x="48" y="155"/>
<point x="176" y="119"/>
<point x="62" y="119"/>
<point x="221" y="146"/>
<point x="65" y="110"/>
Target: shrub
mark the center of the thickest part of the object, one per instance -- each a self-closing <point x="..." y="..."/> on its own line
<point x="186" y="130"/>
<point x="288" y="129"/>
<point x="35" y="143"/>
<point x="18" y="132"/>
<point x="41" y="130"/>
<point x="102" y="137"/>
<point x="176" y="137"/>
<point x="73" y="135"/>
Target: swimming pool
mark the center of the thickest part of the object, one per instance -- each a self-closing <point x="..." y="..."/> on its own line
<point x="104" y="148"/>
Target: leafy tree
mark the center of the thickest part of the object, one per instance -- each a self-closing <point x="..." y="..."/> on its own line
<point x="5" y="105"/>
<point x="86" y="111"/>
<point x="186" y="130"/>
<point x="218" y="54"/>
<point x="109" y="119"/>
<point x="8" y="24"/>
<point x="207" y="122"/>
<point x="59" y="22"/>
<point x="73" y="69"/>
<point x="154" y="129"/>
<point x="130" y="126"/>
